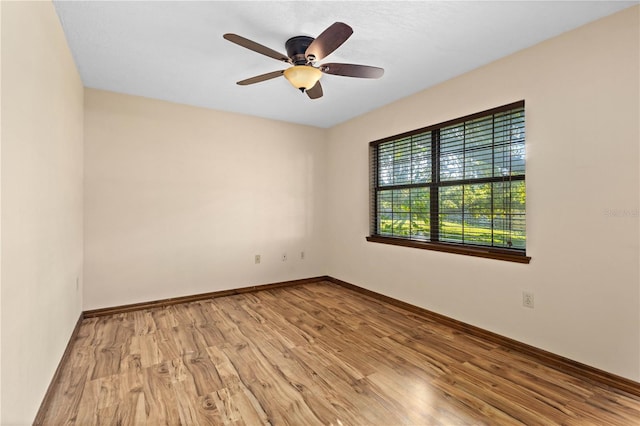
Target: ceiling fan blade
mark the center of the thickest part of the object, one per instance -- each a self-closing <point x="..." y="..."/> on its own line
<point x="352" y="70"/>
<point x="329" y="40"/>
<point x="315" y="92"/>
<point x="256" y="47"/>
<point x="261" y="77"/>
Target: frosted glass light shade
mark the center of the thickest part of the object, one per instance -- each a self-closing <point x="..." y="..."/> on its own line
<point x="303" y="77"/>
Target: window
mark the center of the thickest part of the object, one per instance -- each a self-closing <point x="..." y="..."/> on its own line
<point x="457" y="186"/>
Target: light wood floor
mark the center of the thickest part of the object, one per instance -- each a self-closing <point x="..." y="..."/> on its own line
<point x="306" y="355"/>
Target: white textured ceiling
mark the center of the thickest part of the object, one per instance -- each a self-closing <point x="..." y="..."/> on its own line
<point x="174" y="51"/>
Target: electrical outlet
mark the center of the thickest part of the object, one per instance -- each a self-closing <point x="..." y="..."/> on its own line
<point x="302" y="255"/>
<point x="257" y="259"/>
<point x="527" y="299"/>
<point x="284" y="257"/>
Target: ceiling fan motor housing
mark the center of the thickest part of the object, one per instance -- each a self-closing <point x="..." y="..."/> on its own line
<point x="296" y="48"/>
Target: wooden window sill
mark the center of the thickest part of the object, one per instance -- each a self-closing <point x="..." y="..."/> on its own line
<point x="453" y="248"/>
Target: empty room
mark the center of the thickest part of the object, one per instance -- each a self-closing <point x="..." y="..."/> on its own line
<point x="307" y="213"/>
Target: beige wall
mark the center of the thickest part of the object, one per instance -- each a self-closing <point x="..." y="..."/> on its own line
<point x="178" y="200"/>
<point x="582" y="110"/>
<point x="0" y="215"/>
<point x="41" y="211"/>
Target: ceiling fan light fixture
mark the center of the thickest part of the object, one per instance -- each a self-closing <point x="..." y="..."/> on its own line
<point x="302" y="77"/>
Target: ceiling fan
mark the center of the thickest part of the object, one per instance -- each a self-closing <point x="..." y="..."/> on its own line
<point x="302" y="53"/>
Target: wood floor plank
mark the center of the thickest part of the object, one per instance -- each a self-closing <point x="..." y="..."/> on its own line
<point x="508" y="397"/>
<point x="163" y="318"/>
<point x="240" y="403"/>
<point x="70" y="388"/>
<point x="278" y="327"/>
<point x="315" y="353"/>
<point x="144" y="322"/>
<point x="350" y="394"/>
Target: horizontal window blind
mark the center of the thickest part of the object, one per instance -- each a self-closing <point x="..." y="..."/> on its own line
<point x="460" y="182"/>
